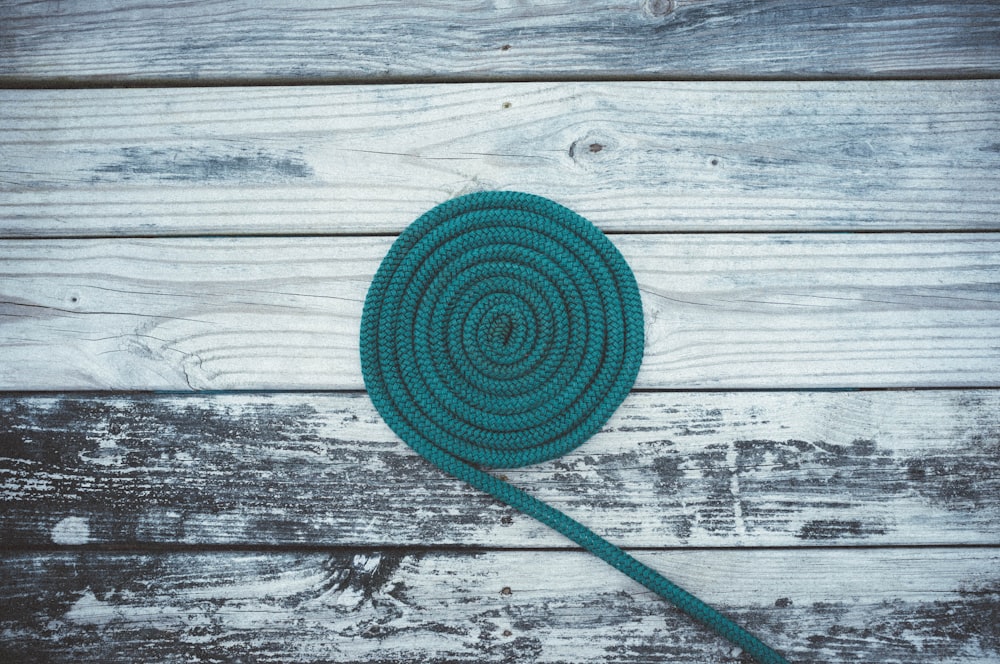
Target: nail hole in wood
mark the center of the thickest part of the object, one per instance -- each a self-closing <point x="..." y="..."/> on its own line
<point x="505" y="590"/>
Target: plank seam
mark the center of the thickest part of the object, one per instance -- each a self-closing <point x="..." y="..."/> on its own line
<point x="29" y="83"/>
<point x="180" y="547"/>
<point x="264" y="236"/>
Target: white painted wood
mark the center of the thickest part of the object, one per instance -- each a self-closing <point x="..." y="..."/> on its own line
<point x="862" y="605"/>
<point x="668" y="470"/>
<point x="722" y="311"/>
<point x="151" y="41"/>
<point x="903" y="155"/>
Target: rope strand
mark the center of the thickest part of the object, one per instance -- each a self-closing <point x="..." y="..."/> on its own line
<point x="502" y="330"/>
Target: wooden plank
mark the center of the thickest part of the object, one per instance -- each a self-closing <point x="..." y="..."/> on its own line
<point x="889" y="155"/>
<point x="859" y="605"/>
<point x="722" y="311"/>
<point x="173" y="40"/>
<point x="676" y="469"/>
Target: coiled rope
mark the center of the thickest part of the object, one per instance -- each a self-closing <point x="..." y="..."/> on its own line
<point x="503" y="329"/>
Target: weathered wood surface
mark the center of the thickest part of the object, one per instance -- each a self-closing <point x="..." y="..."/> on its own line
<point x="878" y="606"/>
<point x="174" y="40"/>
<point x="664" y="156"/>
<point x="673" y="469"/>
<point x="722" y="311"/>
<point x="293" y="526"/>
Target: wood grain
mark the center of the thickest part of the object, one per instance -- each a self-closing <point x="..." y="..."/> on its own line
<point x="876" y="606"/>
<point x="665" y="156"/>
<point x="675" y="469"/>
<point x="172" y="40"/>
<point x="295" y="527"/>
<point x="722" y="311"/>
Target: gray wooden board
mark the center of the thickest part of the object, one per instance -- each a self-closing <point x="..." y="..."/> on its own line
<point x="174" y="40"/>
<point x="294" y="526"/>
<point x="654" y="156"/>
<point x="672" y="469"/>
<point x="860" y="605"/>
<point x="721" y="310"/>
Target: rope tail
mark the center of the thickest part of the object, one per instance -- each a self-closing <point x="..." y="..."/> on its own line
<point x="609" y="553"/>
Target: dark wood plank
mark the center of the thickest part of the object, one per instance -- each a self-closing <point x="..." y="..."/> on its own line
<point x="173" y="40"/>
<point x="714" y="469"/>
<point x="859" y="605"/>
<point x="722" y="311"/>
<point x="652" y="156"/>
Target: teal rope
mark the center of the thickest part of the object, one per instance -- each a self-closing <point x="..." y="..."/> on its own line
<point x="501" y="330"/>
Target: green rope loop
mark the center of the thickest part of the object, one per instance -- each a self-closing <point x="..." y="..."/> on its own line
<point x="503" y="329"/>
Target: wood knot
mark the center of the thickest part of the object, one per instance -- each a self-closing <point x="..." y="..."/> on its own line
<point x="587" y="146"/>
<point x="659" y="7"/>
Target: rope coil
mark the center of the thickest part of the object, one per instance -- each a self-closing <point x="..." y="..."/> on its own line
<point x="501" y="330"/>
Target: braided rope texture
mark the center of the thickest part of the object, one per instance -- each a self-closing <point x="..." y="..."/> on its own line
<point x="503" y="329"/>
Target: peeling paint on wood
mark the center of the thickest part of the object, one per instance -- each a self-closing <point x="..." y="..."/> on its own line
<point x="654" y="156"/>
<point x="179" y="41"/>
<point x="722" y="311"/>
<point x="859" y="605"/>
<point x="746" y="469"/>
